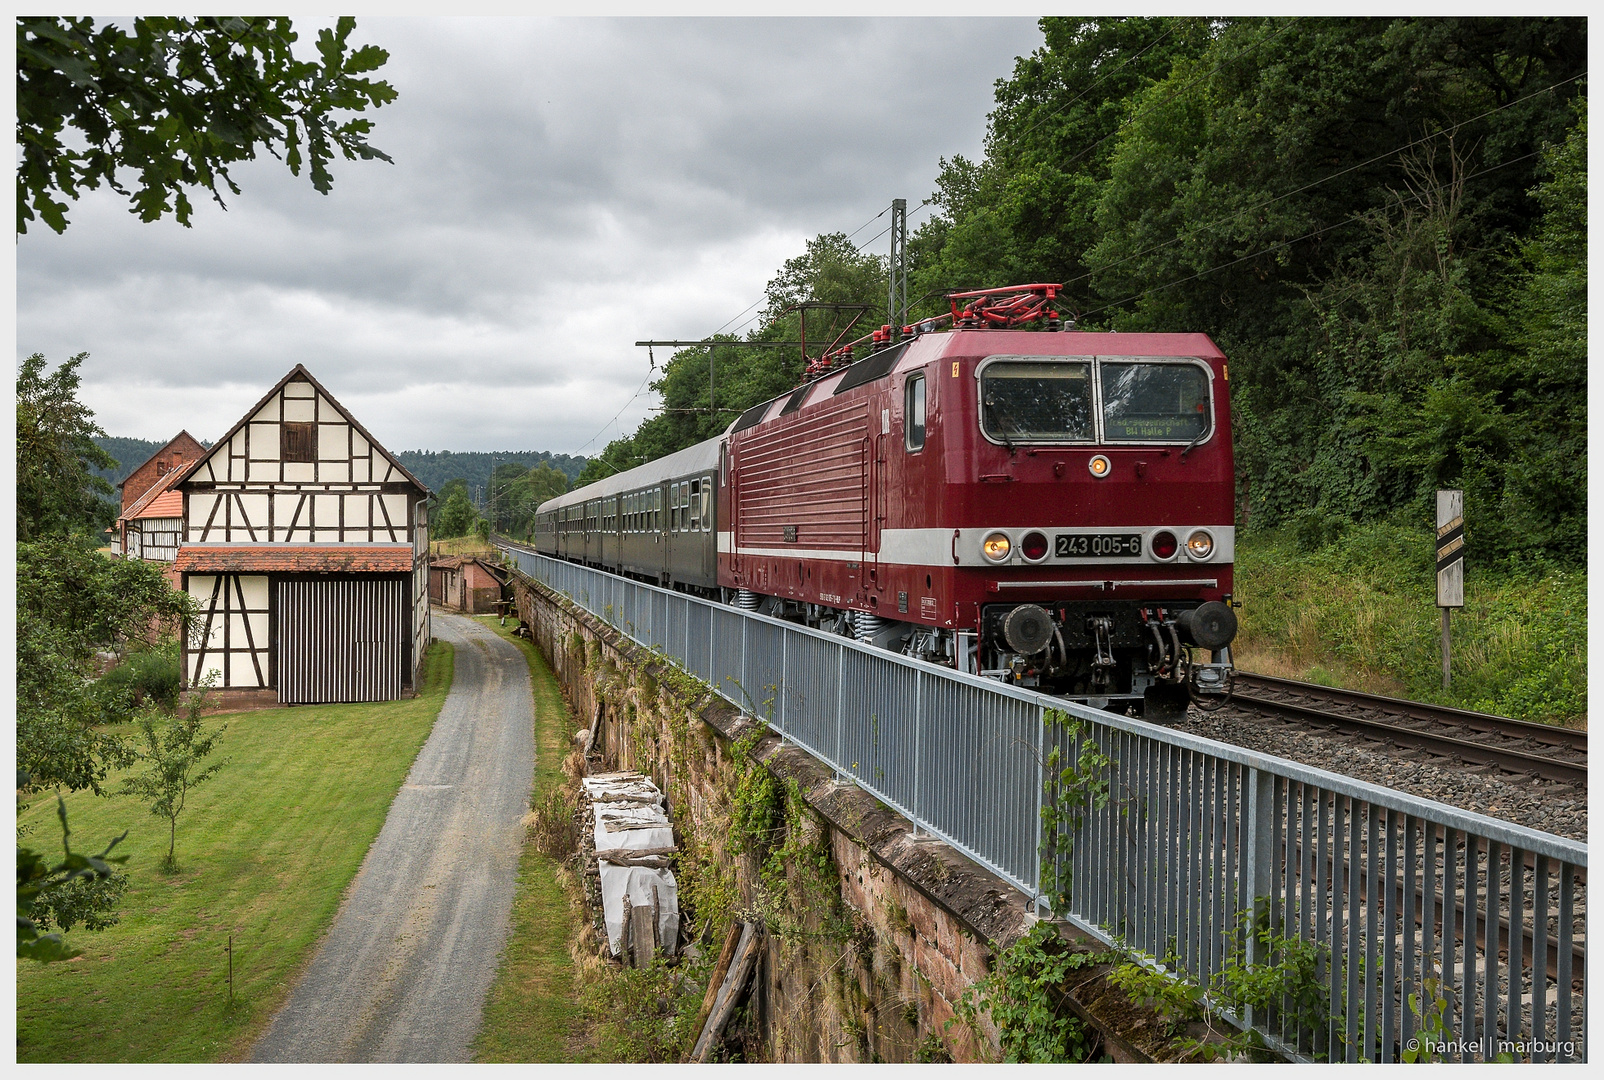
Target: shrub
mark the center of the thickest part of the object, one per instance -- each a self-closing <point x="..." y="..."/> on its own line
<point x="146" y="677"/>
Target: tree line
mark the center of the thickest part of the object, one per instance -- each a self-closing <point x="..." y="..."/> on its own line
<point x="506" y="503"/>
<point x="499" y="490"/>
<point x="1381" y="221"/>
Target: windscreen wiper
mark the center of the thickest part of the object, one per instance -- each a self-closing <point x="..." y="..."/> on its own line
<point x="991" y="412"/>
<point x="1196" y="439"/>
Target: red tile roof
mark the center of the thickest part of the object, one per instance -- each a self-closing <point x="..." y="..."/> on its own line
<point x="298" y="559"/>
<point x="168" y="504"/>
<point x="160" y="500"/>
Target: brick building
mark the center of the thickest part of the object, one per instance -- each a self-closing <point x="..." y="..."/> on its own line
<point x="466" y="584"/>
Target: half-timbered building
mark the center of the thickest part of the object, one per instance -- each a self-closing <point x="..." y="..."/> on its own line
<point x="305" y="547"/>
<point x="151" y="519"/>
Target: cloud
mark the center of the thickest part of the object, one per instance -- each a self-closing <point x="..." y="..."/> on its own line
<point x="561" y="189"/>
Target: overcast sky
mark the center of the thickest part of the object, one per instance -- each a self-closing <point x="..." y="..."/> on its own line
<point x="561" y="189"/>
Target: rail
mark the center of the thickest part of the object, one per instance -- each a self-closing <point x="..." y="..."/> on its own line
<point x="1397" y="922"/>
<point x="1543" y="751"/>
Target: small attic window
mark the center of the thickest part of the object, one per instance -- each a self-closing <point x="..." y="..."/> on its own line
<point x="297" y="442"/>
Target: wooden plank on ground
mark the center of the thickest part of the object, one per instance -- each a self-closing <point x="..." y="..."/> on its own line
<point x="729" y="992"/>
<point x="715" y="979"/>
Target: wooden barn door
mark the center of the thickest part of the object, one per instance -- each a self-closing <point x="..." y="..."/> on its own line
<point x="340" y="640"/>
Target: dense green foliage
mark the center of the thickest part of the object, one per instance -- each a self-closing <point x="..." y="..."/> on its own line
<point x="74" y="606"/>
<point x="75" y="610"/>
<point x="454" y="515"/>
<point x="178" y="101"/>
<point x="1381" y="221"/>
<point x="149" y="676"/>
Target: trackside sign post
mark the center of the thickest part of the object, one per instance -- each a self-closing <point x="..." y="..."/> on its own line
<point x="1450" y="562"/>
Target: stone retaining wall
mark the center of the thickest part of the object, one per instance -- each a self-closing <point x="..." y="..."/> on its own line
<point x="874" y="933"/>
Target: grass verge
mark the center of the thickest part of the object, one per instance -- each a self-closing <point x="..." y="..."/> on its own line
<point x="532" y="1013"/>
<point x="464" y="545"/>
<point x="1360" y="612"/>
<point x="266" y="851"/>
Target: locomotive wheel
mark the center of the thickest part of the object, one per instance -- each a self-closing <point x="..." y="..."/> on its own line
<point x="1165" y="703"/>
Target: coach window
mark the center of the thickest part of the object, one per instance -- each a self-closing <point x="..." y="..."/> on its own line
<point x="707" y="504"/>
<point x="694" y="522"/>
<point x="913" y="414"/>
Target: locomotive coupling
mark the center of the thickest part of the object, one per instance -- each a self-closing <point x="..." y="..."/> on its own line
<point x="1210" y="625"/>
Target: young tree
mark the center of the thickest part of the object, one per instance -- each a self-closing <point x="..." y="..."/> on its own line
<point x="456" y="516"/>
<point x="172" y="747"/>
<point x="178" y="101"/>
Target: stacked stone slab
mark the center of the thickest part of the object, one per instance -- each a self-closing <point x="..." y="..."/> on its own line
<point x="633" y="841"/>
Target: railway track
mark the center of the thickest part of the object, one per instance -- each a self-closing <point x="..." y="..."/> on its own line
<point x="1510" y="746"/>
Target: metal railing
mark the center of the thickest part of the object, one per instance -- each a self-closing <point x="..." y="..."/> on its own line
<point x="1395" y="924"/>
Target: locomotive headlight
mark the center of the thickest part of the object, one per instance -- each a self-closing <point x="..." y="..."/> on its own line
<point x="1200" y="545"/>
<point x="1100" y="466"/>
<point x="996" y="547"/>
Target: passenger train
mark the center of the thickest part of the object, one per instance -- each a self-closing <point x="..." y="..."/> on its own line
<point x="1051" y="508"/>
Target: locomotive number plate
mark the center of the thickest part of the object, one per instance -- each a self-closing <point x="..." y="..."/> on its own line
<point x="1094" y="545"/>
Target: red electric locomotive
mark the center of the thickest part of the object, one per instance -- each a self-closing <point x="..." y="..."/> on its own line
<point x="1054" y="509"/>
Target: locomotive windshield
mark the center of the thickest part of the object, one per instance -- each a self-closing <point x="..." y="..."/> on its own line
<point x="1037" y="401"/>
<point x="1154" y="402"/>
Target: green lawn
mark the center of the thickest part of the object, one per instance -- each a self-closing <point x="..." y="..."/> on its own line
<point x="532" y="1013"/>
<point x="267" y="849"/>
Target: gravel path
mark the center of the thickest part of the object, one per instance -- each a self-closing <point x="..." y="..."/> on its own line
<point x="403" y="973"/>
